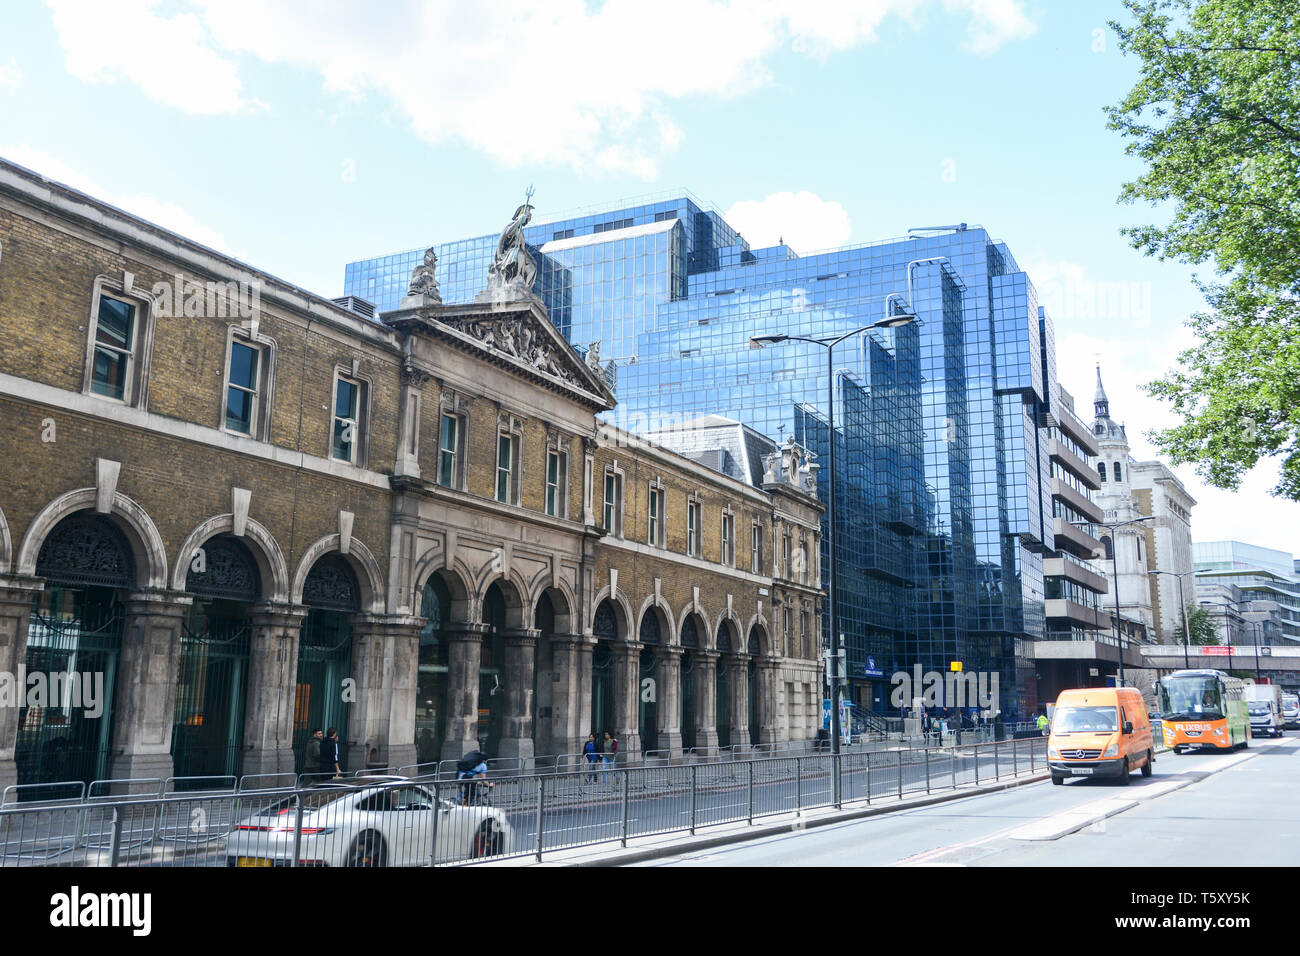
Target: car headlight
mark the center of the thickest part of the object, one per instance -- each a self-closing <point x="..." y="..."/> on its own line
<point x="1112" y="751"/>
<point x="1053" y="753"/>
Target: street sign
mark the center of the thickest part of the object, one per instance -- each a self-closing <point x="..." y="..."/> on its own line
<point x="871" y="670"/>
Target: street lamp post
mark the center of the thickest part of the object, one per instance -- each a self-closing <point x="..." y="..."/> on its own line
<point x="1114" y="566"/>
<point x="758" y="341"/>
<point x="1187" y="631"/>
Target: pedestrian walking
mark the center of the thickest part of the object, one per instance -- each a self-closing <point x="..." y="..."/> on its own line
<point x="311" y="753"/>
<point x="329" y="754"/>
<point x="610" y="754"/>
<point x="592" y="753"/>
<point x="1042" y="724"/>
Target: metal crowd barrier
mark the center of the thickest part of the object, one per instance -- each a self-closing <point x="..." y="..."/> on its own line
<point x="425" y="820"/>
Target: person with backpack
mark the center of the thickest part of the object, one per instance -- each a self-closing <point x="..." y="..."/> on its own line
<point x="610" y="754"/>
<point x="470" y="768"/>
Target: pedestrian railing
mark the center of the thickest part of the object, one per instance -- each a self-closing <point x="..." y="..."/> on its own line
<point x="424" y="820"/>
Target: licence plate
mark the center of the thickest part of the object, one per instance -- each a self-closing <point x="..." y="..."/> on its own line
<point x="1082" y="771"/>
<point x="252" y="861"/>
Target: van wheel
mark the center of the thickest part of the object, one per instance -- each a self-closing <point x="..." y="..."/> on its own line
<point x="1178" y="749"/>
<point x="1058" y="779"/>
<point x="1148" y="768"/>
<point x="1124" y="773"/>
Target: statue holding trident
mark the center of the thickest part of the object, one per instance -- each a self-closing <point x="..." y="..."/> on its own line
<point x="513" y="269"/>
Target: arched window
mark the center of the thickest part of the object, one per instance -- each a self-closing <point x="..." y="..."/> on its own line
<point x="1118" y="477"/>
<point x="1105" y="543"/>
<point x="1101" y="470"/>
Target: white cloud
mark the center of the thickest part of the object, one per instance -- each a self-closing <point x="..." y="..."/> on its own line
<point x="159" y="212"/>
<point x="993" y="23"/>
<point x="804" y="220"/>
<point x="11" y="75"/>
<point x="565" y="82"/>
<point x="169" y="58"/>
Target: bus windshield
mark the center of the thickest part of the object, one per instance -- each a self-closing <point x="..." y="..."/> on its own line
<point x="1191" y="698"/>
<point x="1077" y="720"/>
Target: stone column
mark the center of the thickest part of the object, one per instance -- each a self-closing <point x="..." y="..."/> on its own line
<point x="706" y="702"/>
<point x="272" y="689"/>
<point x="738" y="712"/>
<point x="583" y="662"/>
<point x="410" y="410"/>
<point x="565" y="702"/>
<point x="15" y="612"/>
<point x="627" y="698"/>
<point x="404" y="680"/>
<point x="769" y="729"/>
<point x="145" y="701"/>
<point x="464" y="658"/>
<point x="517" y="686"/>
<point x="669" y="686"/>
<point x="369" y="709"/>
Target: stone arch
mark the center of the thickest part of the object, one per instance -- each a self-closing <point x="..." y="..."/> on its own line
<point x="758" y="623"/>
<point x="703" y="638"/>
<point x="562" y="603"/>
<point x="655" y="604"/>
<point x="519" y="609"/>
<point x="738" y="632"/>
<point x="622" y="609"/>
<point x="358" y="556"/>
<point x="146" y="543"/>
<point x="456" y="575"/>
<point x="263" y="547"/>
<point x="6" y="544"/>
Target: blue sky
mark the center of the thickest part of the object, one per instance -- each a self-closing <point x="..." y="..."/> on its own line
<point x="301" y="136"/>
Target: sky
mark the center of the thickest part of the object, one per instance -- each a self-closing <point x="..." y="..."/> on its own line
<point x="299" y="137"/>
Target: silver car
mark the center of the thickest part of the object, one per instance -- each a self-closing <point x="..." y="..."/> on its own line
<point x="368" y="821"/>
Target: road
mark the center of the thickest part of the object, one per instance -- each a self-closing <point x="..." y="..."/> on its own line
<point x="1234" y="808"/>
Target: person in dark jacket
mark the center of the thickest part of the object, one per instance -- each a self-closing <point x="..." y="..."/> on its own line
<point x="311" y="755"/>
<point x="329" y="754"/>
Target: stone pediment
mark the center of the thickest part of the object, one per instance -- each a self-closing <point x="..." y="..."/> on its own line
<point x="516" y="334"/>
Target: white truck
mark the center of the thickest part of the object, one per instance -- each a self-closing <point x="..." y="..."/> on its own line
<point x="1264" y="702"/>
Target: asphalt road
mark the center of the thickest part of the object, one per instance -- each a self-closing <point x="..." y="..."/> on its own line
<point x="1247" y="811"/>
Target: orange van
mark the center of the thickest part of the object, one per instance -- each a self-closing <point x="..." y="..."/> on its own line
<point x="1100" y="732"/>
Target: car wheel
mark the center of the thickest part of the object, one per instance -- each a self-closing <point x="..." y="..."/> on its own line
<point x="1149" y="767"/>
<point x="1058" y="779"/>
<point x="1178" y="749"/>
<point x="488" y="841"/>
<point x="1124" y="773"/>
<point x="367" y="849"/>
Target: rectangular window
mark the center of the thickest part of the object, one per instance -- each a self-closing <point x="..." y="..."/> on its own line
<point x="348" y="405"/>
<point x="505" y="468"/>
<point x="557" y="482"/>
<point x="693" y="528"/>
<point x="728" y="539"/>
<point x="613" y="503"/>
<point x="786" y="557"/>
<point x="756" y="549"/>
<point x="656" y="524"/>
<point x="114" y="345"/>
<point x="447" y="447"/>
<point x="241" y="389"/>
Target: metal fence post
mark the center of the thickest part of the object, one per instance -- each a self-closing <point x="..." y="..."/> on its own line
<point x="623" y="800"/>
<point x="693" y="800"/>
<point x="1015" y="756"/>
<point x="1031" y="756"/>
<point x="798" y="783"/>
<point x="927" y="769"/>
<point x="900" y="775"/>
<point x="837" y="765"/>
<point x="997" y="768"/>
<point x="952" y="762"/>
<point x="115" y="840"/>
<point x="433" y="825"/>
<point x="297" y="829"/>
<point x="750" y="794"/>
<point x="975" y="755"/>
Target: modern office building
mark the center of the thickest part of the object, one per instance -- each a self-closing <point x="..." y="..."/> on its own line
<point x="944" y="504"/>
<point x="1261" y="578"/>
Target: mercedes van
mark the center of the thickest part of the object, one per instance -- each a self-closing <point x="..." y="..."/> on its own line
<point x="1100" y="732"/>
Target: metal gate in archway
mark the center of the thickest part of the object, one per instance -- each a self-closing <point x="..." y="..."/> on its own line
<point x="324" y="660"/>
<point x="208" y="732"/>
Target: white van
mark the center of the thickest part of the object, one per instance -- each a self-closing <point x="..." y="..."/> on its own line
<point x="1264" y="702"/>
<point x="1291" y="711"/>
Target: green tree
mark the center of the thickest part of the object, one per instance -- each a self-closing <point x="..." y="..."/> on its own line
<point x="1201" y="625"/>
<point x="1215" y="115"/>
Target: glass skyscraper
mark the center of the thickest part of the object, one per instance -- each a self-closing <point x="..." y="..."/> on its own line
<point x="944" y="508"/>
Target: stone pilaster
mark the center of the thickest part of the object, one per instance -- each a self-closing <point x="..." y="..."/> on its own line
<point x="738" y="708"/>
<point x="706" y="702"/>
<point x="145" y="701"/>
<point x="404" y="652"/>
<point x="15" y="612"/>
<point x="564" y="693"/>
<point x="769" y="730"/>
<point x="272" y="689"/>
<point x="627" y="698"/>
<point x="410" y="410"/>
<point x="583" y="677"/>
<point x="517" y="685"/>
<point x="669" y="687"/>
<point x="464" y="659"/>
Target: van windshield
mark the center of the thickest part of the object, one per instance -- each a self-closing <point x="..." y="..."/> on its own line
<point x="1074" y="720"/>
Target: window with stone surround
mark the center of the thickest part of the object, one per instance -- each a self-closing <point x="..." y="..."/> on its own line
<point x="119" y="341"/>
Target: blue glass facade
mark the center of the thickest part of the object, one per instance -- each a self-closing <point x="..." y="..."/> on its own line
<point x="943" y="482"/>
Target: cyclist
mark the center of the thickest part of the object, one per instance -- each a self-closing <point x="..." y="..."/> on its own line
<point x="470" y="790"/>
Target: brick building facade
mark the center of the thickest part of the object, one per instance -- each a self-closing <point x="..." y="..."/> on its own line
<point x="252" y="511"/>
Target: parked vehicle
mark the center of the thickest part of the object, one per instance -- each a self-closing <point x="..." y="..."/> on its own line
<point x="1264" y="702"/>
<point x="1101" y="732"/>
<point x="1203" y="708"/>
<point x="367" y="821"/>
<point x="1291" y="711"/>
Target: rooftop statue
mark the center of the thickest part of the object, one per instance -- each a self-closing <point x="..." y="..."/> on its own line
<point x="513" y="269"/>
<point x="423" y="284"/>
